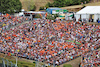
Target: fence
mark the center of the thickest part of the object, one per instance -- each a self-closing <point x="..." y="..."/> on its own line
<point x="6" y="63"/>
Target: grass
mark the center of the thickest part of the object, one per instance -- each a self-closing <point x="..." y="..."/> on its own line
<point x="67" y="65"/>
<point x="20" y="63"/>
<point x="24" y="64"/>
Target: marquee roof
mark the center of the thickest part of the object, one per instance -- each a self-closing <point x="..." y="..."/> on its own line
<point x="90" y="10"/>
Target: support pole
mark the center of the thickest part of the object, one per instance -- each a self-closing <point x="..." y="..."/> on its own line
<point x="11" y="64"/>
<point x="31" y="16"/>
<point x="16" y="63"/>
<point x="3" y="62"/>
<point x="7" y="63"/>
<point x="54" y="63"/>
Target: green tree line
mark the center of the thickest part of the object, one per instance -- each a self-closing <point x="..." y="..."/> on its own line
<point x="63" y="3"/>
<point x="10" y="6"/>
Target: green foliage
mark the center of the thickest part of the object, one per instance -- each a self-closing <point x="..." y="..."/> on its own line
<point x="49" y="5"/>
<point x="59" y="3"/>
<point x="49" y="16"/>
<point x="55" y="16"/>
<point x="63" y="3"/>
<point x="38" y="16"/>
<point x="69" y="2"/>
<point x="52" y="17"/>
<point x="23" y="63"/>
<point x="67" y="65"/>
<point x="32" y="8"/>
<point x="10" y="6"/>
<point x="41" y="8"/>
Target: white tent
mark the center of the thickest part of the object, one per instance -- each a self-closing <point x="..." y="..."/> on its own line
<point x="87" y="12"/>
<point x="21" y="13"/>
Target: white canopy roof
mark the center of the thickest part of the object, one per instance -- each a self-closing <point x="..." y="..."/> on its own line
<point x="90" y="10"/>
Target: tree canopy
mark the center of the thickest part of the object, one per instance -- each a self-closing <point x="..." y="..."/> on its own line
<point x="10" y="6"/>
<point x="63" y="3"/>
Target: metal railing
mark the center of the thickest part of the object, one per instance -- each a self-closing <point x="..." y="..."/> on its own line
<point x="6" y="63"/>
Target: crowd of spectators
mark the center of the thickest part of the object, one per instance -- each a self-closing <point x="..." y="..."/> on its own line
<point x="7" y="21"/>
<point x="91" y="59"/>
<point x="47" y="41"/>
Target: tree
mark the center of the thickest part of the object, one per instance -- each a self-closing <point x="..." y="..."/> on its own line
<point x="69" y="2"/>
<point x="38" y="16"/>
<point x="76" y="2"/>
<point x="10" y="6"/>
<point x="63" y="3"/>
<point x="32" y="8"/>
<point x="41" y="8"/>
<point x="59" y="3"/>
<point x="52" y="16"/>
<point x="49" y="5"/>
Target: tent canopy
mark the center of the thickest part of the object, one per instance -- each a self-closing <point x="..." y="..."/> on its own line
<point x="49" y="10"/>
<point x="90" y="10"/>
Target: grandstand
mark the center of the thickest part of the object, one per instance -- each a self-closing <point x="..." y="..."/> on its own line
<point x="44" y="41"/>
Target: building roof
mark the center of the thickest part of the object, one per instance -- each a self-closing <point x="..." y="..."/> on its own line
<point x="90" y="10"/>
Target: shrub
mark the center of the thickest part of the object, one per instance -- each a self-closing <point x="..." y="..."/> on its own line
<point x="38" y="16"/>
<point x="33" y="8"/>
<point x="49" y="5"/>
<point x="41" y="8"/>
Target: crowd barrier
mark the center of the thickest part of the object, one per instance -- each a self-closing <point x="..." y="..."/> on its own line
<point x="6" y="63"/>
